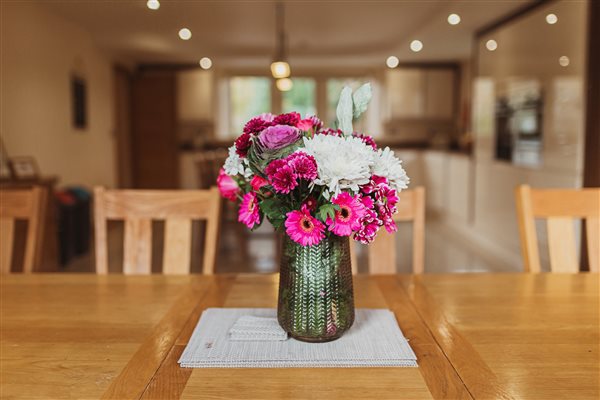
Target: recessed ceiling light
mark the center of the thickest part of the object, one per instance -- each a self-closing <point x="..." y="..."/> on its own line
<point x="185" y="34"/>
<point x="564" y="61"/>
<point x="551" y="19"/>
<point x="491" y="45"/>
<point x="416" y="46"/>
<point x="153" y="4"/>
<point x="392" y="62"/>
<point x="205" y="63"/>
<point x="454" y="19"/>
<point x="284" y="84"/>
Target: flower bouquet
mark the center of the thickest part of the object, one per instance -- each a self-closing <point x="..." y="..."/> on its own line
<point x="319" y="186"/>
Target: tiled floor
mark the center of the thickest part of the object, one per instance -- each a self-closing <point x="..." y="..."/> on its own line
<point x="243" y="251"/>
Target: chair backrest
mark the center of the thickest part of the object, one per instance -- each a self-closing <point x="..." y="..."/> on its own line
<point x="382" y="252"/>
<point x="21" y="204"/>
<point x="138" y="208"/>
<point x="560" y="207"/>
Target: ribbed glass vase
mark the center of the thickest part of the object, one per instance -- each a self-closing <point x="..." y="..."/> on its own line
<point x="316" y="300"/>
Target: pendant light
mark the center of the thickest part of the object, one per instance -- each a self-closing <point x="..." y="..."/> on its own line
<point x="279" y="67"/>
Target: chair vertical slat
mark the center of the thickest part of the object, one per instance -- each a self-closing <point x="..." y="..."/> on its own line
<point x="353" y="260"/>
<point x="382" y="254"/>
<point x="138" y="246"/>
<point x="212" y="233"/>
<point x="561" y="243"/>
<point x="101" y="246"/>
<point x="33" y="231"/>
<point x="528" y="234"/>
<point x="7" y="232"/>
<point x="593" y="242"/>
<point x="419" y="230"/>
<point x="178" y="243"/>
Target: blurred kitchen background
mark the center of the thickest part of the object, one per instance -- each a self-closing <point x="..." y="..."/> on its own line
<point x="475" y="96"/>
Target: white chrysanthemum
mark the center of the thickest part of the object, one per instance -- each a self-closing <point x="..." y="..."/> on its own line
<point x="390" y="167"/>
<point x="235" y="165"/>
<point x="342" y="162"/>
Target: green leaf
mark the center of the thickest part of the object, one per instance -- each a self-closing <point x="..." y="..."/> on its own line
<point x="360" y="100"/>
<point x="327" y="211"/>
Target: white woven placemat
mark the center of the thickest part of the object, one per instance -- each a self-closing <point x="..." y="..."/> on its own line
<point x="375" y="340"/>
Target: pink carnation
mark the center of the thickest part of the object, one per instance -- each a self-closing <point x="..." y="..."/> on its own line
<point x="248" y="212"/>
<point x="227" y="186"/>
<point x="284" y="180"/>
<point x="347" y="218"/>
<point x="242" y="144"/>
<point x="304" y="165"/>
<point x="291" y="119"/>
<point x="303" y="228"/>
<point x="258" y="124"/>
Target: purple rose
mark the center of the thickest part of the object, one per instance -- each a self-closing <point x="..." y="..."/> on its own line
<point x="278" y="136"/>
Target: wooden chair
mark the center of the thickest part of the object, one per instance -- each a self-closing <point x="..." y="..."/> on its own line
<point x="382" y="252"/>
<point x="21" y="204"/>
<point x="138" y="208"/>
<point x="559" y="207"/>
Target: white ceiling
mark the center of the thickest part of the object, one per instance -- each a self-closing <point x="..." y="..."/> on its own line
<point x="321" y="33"/>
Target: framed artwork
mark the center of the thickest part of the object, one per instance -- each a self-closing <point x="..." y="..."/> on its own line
<point x="79" y="99"/>
<point x="24" y="168"/>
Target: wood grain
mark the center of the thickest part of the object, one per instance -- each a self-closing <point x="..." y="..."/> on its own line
<point x="69" y="336"/>
<point x="170" y="379"/>
<point x="439" y="374"/>
<point x="481" y="336"/>
<point x="178" y="244"/>
<point x="515" y="336"/>
<point x="133" y="379"/>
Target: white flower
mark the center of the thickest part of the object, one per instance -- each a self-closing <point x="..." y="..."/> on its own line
<point x="235" y="165"/>
<point x="390" y="167"/>
<point x="342" y="162"/>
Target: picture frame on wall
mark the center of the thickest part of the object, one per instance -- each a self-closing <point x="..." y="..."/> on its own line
<point x="24" y="168"/>
<point x="79" y="102"/>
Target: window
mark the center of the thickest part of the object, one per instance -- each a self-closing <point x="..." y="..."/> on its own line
<point x="248" y="96"/>
<point x="334" y="88"/>
<point x="301" y="97"/>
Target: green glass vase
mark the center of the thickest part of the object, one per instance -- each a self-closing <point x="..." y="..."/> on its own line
<point x="316" y="299"/>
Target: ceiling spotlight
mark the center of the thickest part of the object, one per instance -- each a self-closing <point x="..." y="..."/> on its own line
<point x="185" y="34"/>
<point x="454" y="19"/>
<point x="205" y="63"/>
<point x="551" y="19"/>
<point x="392" y="62"/>
<point x="416" y="46"/>
<point x="564" y="61"/>
<point x="153" y="4"/>
<point x="284" y="84"/>
<point x="491" y="45"/>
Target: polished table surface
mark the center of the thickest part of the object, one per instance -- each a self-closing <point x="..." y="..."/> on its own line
<point x="481" y="336"/>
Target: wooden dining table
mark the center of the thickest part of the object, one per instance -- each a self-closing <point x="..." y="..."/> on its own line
<point x="476" y="336"/>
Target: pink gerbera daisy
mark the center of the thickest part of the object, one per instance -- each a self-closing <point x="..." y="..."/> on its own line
<point x="227" y="186"/>
<point x="303" y="228"/>
<point x="248" y="212"/>
<point x="347" y="218"/>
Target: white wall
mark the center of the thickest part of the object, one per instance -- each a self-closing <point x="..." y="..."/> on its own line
<point x="40" y="51"/>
